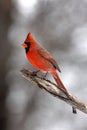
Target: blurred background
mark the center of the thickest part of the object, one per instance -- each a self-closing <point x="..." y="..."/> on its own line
<point x="61" y="27"/>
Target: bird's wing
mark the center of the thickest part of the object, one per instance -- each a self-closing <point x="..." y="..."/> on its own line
<point x="49" y="58"/>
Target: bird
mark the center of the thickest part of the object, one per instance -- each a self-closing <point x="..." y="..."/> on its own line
<point x="41" y="59"/>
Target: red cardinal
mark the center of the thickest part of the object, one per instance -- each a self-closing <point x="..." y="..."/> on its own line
<point x="41" y="59"/>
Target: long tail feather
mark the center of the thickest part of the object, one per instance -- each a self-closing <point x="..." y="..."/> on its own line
<point x="58" y="81"/>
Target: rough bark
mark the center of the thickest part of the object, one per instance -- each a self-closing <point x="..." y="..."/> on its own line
<point x="53" y="89"/>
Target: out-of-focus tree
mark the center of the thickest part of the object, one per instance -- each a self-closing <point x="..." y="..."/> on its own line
<point x="5" y="49"/>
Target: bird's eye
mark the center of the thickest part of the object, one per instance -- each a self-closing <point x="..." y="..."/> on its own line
<point x="28" y="43"/>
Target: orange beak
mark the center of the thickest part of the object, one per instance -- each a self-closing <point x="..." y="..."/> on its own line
<point x="24" y="45"/>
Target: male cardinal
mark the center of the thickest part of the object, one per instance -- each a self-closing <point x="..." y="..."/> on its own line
<point x="41" y="59"/>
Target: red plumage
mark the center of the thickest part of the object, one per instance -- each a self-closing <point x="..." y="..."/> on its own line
<point x="41" y="59"/>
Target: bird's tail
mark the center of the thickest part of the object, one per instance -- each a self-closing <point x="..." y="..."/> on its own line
<point x="58" y="81"/>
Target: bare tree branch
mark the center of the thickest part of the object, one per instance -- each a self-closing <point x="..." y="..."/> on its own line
<point x="54" y="90"/>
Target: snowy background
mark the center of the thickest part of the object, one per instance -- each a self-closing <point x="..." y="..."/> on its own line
<point x="61" y="27"/>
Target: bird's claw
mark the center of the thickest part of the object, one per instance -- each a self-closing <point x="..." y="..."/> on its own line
<point x="34" y="73"/>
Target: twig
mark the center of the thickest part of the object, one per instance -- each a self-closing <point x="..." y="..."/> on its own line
<point x="54" y="90"/>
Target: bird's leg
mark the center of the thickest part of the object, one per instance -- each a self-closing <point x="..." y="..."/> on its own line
<point x="44" y="76"/>
<point x="34" y="73"/>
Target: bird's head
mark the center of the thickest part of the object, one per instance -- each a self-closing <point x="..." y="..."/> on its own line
<point x="27" y="43"/>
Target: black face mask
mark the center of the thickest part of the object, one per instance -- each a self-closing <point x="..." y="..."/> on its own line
<point x="28" y="46"/>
